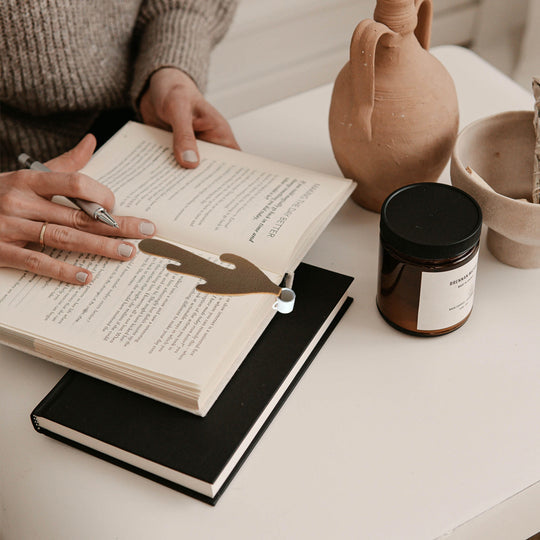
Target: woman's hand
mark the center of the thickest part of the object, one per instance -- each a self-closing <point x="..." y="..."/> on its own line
<point x="173" y="101"/>
<point x="28" y="216"/>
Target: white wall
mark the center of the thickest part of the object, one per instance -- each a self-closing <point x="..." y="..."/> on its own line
<point x="499" y="32"/>
<point x="276" y="48"/>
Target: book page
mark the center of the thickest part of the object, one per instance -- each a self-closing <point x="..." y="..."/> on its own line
<point x="231" y="203"/>
<point x="141" y="320"/>
<point x="135" y="312"/>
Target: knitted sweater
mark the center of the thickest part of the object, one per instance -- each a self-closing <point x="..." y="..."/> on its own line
<point x="63" y="62"/>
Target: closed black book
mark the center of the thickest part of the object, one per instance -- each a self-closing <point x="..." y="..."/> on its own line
<point x="193" y="454"/>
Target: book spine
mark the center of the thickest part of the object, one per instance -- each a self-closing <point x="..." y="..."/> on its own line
<point x="41" y="408"/>
<point x="35" y="422"/>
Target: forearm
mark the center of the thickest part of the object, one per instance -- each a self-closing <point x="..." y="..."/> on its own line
<point x="180" y="34"/>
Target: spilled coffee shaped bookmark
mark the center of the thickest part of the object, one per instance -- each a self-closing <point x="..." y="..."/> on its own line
<point x="244" y="278"/>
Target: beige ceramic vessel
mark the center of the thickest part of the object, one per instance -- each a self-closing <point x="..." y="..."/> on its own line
<point x="394" y="114"/>
<point x="500" y="149"/>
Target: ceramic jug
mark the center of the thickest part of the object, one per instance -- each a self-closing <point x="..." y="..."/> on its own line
<point x="394" y="114"/>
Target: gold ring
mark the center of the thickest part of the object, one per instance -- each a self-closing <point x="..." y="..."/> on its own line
<point x="42" y="234"/>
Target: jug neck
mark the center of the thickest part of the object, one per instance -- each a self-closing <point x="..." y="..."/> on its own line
<point x="399" y="15"/>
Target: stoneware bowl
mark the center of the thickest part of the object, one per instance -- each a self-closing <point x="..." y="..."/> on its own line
<point x="500" y="149"/>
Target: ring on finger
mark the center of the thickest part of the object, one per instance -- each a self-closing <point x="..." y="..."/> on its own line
<point x="42" y="234"/>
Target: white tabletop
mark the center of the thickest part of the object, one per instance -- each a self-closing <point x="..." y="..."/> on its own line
<point x="387" y="435"/>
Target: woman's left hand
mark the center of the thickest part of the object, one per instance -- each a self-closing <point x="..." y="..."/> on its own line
<point x="173" y="101"/>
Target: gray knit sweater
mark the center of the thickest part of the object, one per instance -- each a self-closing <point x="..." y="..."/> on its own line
<point x="62" y="62"/>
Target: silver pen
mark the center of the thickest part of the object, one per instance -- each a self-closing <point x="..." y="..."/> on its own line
<point x="94" y="210"/>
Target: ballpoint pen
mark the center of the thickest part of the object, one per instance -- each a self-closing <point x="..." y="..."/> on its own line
<point x="94" y="210"/>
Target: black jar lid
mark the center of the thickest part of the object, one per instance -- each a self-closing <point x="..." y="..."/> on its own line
<point x="430" y="221"/>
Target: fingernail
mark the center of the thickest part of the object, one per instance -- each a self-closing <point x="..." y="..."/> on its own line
<point x="190" y="156"/>
<point x="81" y="276"/>
<point x="147" y="228"/>
<point x="125" y="250"/>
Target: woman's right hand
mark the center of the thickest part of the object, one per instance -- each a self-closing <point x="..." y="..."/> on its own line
<point x="28" y="217"/>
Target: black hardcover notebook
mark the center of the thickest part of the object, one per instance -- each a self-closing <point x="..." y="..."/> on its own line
<point x="193" y="454"/>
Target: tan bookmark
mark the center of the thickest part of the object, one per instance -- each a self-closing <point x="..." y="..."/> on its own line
<point x="244" y="278"/>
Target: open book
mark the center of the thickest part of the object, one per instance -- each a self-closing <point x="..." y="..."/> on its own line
<point x="144" y="328"/>
<point x="182" y="451"/>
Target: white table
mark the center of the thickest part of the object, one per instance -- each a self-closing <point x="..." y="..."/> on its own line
<point x="387" y="436"/>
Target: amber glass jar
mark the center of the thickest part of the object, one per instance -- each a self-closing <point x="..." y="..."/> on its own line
<point x="429" y="240"/>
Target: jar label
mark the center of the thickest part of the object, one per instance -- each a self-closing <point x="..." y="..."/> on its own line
<point x="446" y="298"/>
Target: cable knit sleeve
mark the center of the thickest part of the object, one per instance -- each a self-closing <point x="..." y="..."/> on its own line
<point x="178" y="33"/>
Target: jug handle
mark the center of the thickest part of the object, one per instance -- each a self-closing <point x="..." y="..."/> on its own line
<point x="364" y="42"/>
<point x="424" y="11"/>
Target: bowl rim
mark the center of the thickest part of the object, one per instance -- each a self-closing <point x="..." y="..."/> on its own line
<point x="482" y="184"/>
